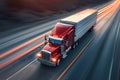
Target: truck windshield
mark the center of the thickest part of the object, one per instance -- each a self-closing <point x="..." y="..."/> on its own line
<point x="55" y="40"/>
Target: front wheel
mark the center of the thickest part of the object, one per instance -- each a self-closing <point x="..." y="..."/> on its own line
<point x="58" y="62"/>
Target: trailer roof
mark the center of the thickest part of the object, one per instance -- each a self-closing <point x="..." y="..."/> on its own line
<point x="79" y="16"/>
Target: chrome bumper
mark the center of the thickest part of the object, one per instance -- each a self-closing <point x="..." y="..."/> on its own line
<point x="48" y="63"/>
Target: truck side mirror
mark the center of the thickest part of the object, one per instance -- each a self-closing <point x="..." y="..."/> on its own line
<point x="46" y="38"/>
<point x="65" y="42"/>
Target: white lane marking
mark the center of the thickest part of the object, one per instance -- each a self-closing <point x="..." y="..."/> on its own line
<point x="21" y="69"/>
<point x="111" y="67"/>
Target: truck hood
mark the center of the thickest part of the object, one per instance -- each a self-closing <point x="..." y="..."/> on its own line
<point x="51" y="47"/>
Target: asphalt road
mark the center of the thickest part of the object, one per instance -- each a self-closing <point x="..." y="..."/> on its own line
<point x="95" y="63"/>
<point x="98" y="61"/>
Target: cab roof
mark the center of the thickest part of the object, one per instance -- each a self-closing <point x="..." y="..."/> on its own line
<point x="61" y="30"/>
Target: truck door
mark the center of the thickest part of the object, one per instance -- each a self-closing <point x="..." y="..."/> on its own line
<point x="62" y="49"/>
<point x="70" y="37"/>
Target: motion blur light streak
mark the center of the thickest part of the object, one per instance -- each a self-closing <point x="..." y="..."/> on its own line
<point x="22" y="45"/>
<point x="107" y="10"/>
<point x="19" y="56"/>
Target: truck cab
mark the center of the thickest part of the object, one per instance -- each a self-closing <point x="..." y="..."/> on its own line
<point x="66" y="34"/>
<point x="59" y="43"/>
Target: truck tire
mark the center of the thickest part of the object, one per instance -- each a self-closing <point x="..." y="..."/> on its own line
<point x="77" y="43"/>
<point x="42" y="64"/>
<point x="58" y="62"/>
<point x="91" y="29"/>
<point x="73" y="46"/>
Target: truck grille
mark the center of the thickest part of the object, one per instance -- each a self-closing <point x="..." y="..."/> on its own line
<point x="46" y="56"/>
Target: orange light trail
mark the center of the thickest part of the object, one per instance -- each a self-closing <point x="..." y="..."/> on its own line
<point x="107" y="9"/>
<point x="19" y="56"/>
<point x="21" y="46"/>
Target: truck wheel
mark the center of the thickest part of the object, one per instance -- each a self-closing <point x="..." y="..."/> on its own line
<point x="42" y="64"/>
<point x="77" y="43"/>
<point x="58" y="62"/>
<point x="73" y="46"/>
<point x="91" y="29"/>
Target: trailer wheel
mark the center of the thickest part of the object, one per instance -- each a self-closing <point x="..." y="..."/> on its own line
<point x="91" y="29"/>
<point x="58" y="62"/>
<point x="77" y="43"/>
<point x="73" y="46"/>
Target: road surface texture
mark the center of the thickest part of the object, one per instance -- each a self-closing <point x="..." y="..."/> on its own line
<point x="96" y="58"/>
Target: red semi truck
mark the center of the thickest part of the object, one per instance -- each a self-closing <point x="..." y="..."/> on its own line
<point x="65" y="35"/>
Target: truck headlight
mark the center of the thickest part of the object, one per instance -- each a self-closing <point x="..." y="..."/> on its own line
<point x="54" y="60"/>
<point x="38" y="55"/>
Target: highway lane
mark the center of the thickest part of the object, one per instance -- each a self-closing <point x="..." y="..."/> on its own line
<point x="115" y="64"/>
<point x="36" y="71"/>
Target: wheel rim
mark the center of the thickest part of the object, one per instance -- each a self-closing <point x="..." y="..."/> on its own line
<point x="58" y="62"/>
<point x="74" y="46"/>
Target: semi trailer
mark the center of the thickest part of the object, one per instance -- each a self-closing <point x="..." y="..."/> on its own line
<point x="65" y="35"/>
